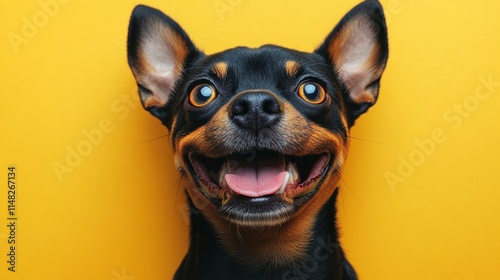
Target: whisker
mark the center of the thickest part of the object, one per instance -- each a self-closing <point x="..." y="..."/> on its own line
<point x="147" y="141"/>
<point x="347" y="188"/>
<point x="366" y="140"/>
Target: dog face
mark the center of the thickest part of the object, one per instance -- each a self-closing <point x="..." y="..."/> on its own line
<point x="259" y="135"/>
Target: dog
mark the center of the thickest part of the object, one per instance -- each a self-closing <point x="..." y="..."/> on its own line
<point x="260" y="136"/>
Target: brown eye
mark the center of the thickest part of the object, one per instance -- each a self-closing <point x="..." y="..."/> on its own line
<point x="202" y="94"/>
<point x="312" y="92"/>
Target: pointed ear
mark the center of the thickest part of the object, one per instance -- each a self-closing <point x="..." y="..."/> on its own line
<point x="158" y="50"/>
<point x="357" y="48"/>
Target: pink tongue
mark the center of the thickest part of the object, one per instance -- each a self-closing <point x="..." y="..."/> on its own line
<point x="262" y="176"/>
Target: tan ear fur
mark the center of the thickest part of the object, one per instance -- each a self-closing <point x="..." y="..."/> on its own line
<point x="158" y="49"/>
<point x="357" y="48"/>
<point x="160" y="60"/>
<point x="355" y="52"/>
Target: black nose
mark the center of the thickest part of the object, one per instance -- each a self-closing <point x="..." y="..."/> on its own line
<point x="255" y="110"/>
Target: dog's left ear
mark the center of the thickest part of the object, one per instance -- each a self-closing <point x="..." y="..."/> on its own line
<point x="357" y="48"/>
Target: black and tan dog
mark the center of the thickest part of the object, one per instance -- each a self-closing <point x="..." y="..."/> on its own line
<point x="260" y="137"/>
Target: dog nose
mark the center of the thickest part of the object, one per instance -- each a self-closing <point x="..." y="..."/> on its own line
<point x="255" y="110"/>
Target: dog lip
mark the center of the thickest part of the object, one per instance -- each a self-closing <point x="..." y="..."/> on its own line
<point x="210" y="174"/>
<point x="210" y="189"/>
<point x="261" y="211"/>
<point x="317" y="172"/>
<point x="267" y="210"/>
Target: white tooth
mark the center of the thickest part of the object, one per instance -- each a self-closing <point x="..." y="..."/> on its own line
<point x="285" y="182"/>
<point x="292" y="169"/>
<point x="222" y="176"/>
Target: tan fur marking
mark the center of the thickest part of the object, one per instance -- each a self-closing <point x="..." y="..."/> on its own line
<point x="343" y="118"/>
<point x="220" y="69"/>
<point x="282" y="244"/>
<point x="292" y="67"/>
<point x="193" y="140"/>
<point x="271" y="245"/>
<point x="365" y="98"/>
<point x="172" y="128"/>
<point x="154" y="101"/>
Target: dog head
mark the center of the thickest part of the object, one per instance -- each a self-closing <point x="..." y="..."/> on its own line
<point x="260" y="135"/>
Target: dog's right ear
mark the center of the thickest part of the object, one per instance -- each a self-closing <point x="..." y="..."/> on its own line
<point x="357" y="48"/>
<point x="158" y="50"/>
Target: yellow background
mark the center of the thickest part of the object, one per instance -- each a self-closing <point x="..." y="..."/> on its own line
<point x="117" y="212"/>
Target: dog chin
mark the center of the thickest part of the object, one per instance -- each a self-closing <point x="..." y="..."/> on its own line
<point x="259" y="188"/>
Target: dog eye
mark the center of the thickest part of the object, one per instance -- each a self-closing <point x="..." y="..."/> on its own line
<point x="312" y="92"/>
<point x="201" y="95"/>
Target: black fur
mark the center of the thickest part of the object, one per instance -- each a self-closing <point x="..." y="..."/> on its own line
<point x="261" y="68"/>
<point x="207" y="259"/>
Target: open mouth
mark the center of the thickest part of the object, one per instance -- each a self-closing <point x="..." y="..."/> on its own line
<point x="263" y="186"/>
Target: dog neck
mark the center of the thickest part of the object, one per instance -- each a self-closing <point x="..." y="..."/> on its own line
<point x="288" y="251"/>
